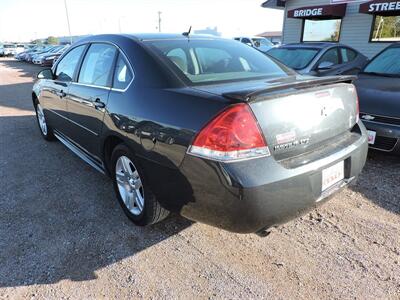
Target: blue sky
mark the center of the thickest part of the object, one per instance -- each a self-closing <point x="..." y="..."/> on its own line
<point x="23" y="20"/>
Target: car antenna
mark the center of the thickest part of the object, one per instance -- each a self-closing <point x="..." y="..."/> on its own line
<point x="188" y="33"/>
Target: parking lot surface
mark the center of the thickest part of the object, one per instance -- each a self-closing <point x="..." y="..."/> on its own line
<point x="63" y="234"/>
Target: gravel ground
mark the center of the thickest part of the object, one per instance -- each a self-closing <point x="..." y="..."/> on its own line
<point x="63" y="235"/>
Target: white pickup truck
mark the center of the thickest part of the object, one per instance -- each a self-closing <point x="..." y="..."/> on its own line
<point x="8" y="50"/>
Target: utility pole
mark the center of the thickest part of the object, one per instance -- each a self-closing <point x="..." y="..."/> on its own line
<point x="159" y="21"/>
<point x="69" y="27"/>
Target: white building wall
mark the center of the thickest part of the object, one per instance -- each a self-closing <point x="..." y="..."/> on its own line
<point x="356" y="27"/>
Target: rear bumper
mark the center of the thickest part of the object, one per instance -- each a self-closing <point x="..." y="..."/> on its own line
<point x="387" y="136"/>
<point x="254" y="195"/>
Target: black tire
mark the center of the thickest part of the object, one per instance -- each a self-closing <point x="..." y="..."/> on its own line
<point x="49" y="134"/>
<point x="152" y="211"/>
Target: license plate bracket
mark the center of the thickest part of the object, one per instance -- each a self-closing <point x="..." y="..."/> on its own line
<point x="371" y="137"/>
<point x="332" y="175"/>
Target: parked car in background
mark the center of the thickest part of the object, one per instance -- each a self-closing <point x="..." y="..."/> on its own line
<point x="378" y="87"/>
<point x="24" y="55"/>
<point x="227" y="136"/>
<point x="260" y="43"/>
<point x="39" y="58"/>
<point x="49" y="59"/>
<point x="8" y="50"/>
<point x="31" y="56"/>
<point x="320" y="59"/>
<point x="20" y="49"/>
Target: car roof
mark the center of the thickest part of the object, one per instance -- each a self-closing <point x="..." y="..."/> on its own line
<point x="168" y="36"/>
<point x="139" y="37"/>
<point x="318" y="45"/>
<point x="250" y="37"/>
<point x="395" y="45"/>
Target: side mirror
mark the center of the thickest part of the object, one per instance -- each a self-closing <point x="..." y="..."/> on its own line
<point x="45" y="74"/>
<point x="325" y="65"/>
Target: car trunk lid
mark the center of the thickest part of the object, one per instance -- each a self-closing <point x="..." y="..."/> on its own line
<point x="298" y="115"/>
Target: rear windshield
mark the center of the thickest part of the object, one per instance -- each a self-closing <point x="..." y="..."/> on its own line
<point x="386" y="63"/>
<point x="213" y="61"/>
<point x="295" y="58"/>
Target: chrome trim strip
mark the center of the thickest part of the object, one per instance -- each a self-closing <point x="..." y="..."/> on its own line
<point x="91" y="85"/>
<point x="54" y="67"/>
<point x="363" y="113"/>
<point x="79" y="153"/>
<point x="65" y="118"/>
<point x="389" y="124"/>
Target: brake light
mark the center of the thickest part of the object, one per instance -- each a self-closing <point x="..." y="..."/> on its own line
<point x="233" y="135"/>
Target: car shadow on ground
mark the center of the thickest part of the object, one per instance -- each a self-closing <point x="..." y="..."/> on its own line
<point x="380" y="180"/>
<point x="59" y="219"/>
<point x="24" y="69"/>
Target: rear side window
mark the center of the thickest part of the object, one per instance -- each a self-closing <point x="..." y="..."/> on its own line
<point x="123" y="74"/>
<point x="246" y="41"/>
<point x="347" y="55"/>
<point x="331" y="56"/>
<point x="66" y="67"/>
<point x="97" y="65"/>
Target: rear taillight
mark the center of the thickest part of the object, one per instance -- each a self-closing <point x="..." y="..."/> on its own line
<point x="233" y="135"/>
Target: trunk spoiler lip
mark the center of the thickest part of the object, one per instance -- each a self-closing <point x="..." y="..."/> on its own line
<point x="250" y="96"/>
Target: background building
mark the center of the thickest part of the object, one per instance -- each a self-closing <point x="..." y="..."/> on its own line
<point x="368" y="26"/>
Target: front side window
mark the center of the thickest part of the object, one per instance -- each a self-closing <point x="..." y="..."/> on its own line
<point x="386" y="63"/>
<point x="321" y="30"/>
<point x="123" y="74"/>
<point x="386" y="29"/>
<point x="212" y="61"/>
<point x="331" y="56"/>
<point x="67" y="65"/>
<point x="97" y="65"/>
<point x="295" y="58"/>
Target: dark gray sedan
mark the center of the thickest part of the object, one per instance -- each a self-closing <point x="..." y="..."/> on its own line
<point x="320" y="59"/>
<point x="205" y="127"/>
<point x="378" y="88"/>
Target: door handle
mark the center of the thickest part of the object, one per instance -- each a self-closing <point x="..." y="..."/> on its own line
<point x="61" y="94"/>
<point x="98" y="104"/>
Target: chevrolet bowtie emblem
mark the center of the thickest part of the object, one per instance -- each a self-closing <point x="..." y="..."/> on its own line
<point x="368" y="117"/>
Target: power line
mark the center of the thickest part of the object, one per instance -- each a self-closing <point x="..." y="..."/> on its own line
<point x="159" y="21"/>
<point x="69" y="27"/>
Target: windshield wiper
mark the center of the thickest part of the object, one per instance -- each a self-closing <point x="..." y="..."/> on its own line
<point x="382" y="74"/>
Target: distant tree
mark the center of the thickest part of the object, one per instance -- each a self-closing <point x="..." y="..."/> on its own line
<point x="52" y="40"/>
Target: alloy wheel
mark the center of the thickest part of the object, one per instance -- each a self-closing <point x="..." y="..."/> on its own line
<point x="41" y="119"/>
<point x="129" y="185"/>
